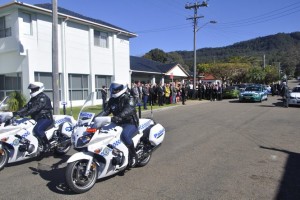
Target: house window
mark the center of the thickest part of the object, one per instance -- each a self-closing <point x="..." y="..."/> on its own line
<point x="46" y="79"/>
<point x="78" y="86"/>
<point x="26" y="24"/>
<point x="4" y="30"/>
<point x="100" y="39"/>
<point x="102" y="81"/>
<point x="9" y="83"/>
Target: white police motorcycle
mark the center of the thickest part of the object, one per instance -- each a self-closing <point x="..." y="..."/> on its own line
<point x="102" y="153"/>
<point x="18" y="142"/>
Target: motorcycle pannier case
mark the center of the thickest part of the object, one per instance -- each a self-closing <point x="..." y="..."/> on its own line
<point x="157" y="134"/>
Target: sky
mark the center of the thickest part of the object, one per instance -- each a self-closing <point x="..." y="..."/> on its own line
<point x="164" y="24"/>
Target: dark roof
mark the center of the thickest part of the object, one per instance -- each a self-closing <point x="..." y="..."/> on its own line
<point x="146" y="65"/>
<point x="61" y="10"/>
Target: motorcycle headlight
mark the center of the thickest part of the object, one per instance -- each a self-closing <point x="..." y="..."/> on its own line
<point x="85" y="138"/>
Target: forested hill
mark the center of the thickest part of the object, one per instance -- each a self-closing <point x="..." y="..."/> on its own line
<point x="281" y="47"/>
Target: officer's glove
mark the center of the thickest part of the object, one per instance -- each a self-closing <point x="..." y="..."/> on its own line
<point x="16" y="114"/>
<point x="116" y="119"/>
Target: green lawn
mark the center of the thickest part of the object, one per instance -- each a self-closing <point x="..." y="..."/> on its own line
<point x="96" y="109"/>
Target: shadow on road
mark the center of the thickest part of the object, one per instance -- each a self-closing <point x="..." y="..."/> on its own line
<point x="37" y="158"/>
<point x="234" y="101"/>
<point x="290" y="183"/>
<point x="277" y="104"/>
<point x="54" y="174"/>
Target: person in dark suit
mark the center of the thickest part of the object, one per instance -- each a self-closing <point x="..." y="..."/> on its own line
<point x="104" y="96"/>
<point x="183" y="94"/>
<point x="160" y="94"/>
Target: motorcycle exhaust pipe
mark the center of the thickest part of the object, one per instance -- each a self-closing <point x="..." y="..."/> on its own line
<point x="65" y="142"/>
<point x="145" y="154"/>
<point x="154" y="148"/>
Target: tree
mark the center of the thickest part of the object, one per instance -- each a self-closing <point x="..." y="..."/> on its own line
<point x="256" y="75"/>
<point x="174" y="57"/>
<point x="283" y="48"/>
<point x="203" y="68"/>
<point x="272" y="74"/>
<point x="230" y="72"/>
<point x="157" y="55"/>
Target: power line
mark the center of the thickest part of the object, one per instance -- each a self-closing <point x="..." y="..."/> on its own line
<point x="265" y="17"/>
<point x="269" y="16"/>
<point x="175" y="27"/>
<point x="261" y="21"/>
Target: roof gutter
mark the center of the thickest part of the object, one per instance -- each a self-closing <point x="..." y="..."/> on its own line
<point x="147" y="72"/>
<point x="129" y="34"/>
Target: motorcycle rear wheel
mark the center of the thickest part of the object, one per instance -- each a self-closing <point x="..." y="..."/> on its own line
<point x="3" y="158"/>
<point x="75" y="178"/>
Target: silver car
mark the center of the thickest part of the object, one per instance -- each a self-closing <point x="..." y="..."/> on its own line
<point x="295" y="96"/>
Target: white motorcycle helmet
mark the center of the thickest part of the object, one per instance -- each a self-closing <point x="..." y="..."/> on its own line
<point x="36" y="88"/>
<point x="117" y="88"/>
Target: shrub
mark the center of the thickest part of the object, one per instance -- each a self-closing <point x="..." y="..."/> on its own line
<point x="16" y="101"/>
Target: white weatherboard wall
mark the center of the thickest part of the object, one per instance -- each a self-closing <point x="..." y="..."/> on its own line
<point x="77" y="54"/>
<point x="122" y="62"/>
<point x="176" y="71"/>
<point x="77" y="48"/>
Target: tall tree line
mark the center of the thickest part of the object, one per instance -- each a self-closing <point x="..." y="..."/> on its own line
<point x="281" y="52"/>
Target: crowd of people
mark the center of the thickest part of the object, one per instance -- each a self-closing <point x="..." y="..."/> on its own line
<point x="172" y="93"/>
<point x="210" y="91"/>
<point x="157" y="94"/>
<point x="145" y="94"/>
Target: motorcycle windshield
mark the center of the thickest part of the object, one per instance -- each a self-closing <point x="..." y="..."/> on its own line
<point x="88" y="110"/>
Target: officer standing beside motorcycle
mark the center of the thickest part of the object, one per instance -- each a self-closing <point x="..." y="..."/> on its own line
<point x="124" y="114"/>
<point x="40" y="109"/>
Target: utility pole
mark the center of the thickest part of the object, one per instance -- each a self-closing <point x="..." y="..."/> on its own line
<point x="195" y="6"/>
<point x="55" y="75"/>
<point x="279" y="69"/>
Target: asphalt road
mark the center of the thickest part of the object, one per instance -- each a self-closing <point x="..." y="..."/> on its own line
<point x="212" y="150"/>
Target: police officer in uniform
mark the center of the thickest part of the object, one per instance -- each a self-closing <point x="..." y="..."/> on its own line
<point x="124" y="114"/>
<point x="40" y="109"/>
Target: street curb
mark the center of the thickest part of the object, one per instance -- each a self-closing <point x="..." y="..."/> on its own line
<point x="188" y="103"/>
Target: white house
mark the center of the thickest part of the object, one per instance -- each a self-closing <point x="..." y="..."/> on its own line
<point x="150" y="71"/>
<point x="92" y="53"/>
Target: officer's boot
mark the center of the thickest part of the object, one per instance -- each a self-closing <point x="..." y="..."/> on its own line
<point x="45" y="143"/>
<point x="132" y="155"/>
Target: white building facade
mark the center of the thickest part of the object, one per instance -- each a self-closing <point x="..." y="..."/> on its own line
<point x="90" y="53"/>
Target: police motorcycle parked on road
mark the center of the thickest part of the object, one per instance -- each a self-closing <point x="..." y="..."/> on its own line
<point x="102" y="152"/>
<point x="18" y="142"/>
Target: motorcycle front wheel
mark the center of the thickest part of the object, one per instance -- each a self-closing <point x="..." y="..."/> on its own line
<point x="76" y="179"/>
<point x="3" y="158"/>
